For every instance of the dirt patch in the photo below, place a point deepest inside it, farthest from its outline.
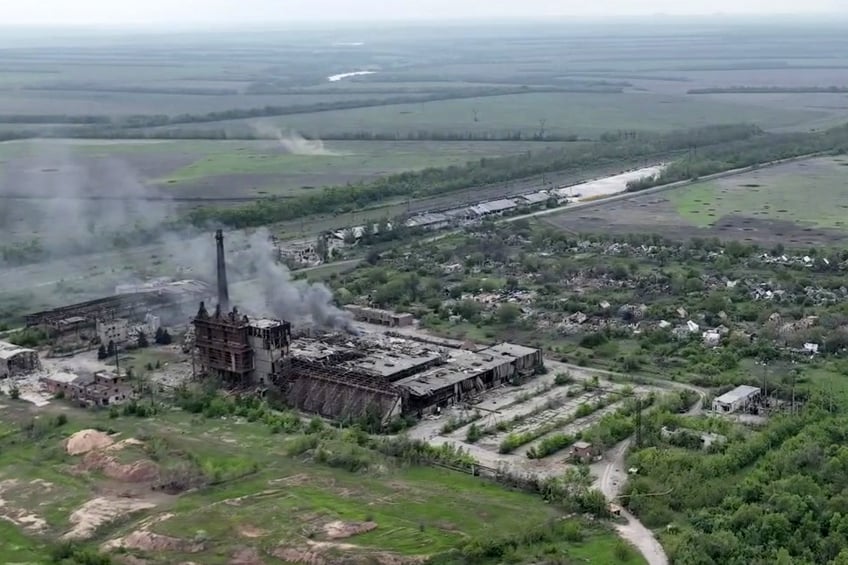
(87, 440)
(301, 555)
(136, 472)
(101, 511)
(292, 480)
(246, 556)
(627, 217)
(248, 531)
(19, 516)
(144, 540)
(343, 530)
(327, 553)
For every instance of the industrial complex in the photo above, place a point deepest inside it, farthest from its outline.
(378, 369)
(343, 376)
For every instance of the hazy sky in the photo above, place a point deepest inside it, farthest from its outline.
(52, 12)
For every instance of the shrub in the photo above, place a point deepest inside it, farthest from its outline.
(14, 393)
(571, 531)
(302, 444)
(622, 551)
(474, 433)
(29, 337)
(562, 379)
(550, 445)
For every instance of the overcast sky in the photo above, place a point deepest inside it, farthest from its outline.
(187, 12)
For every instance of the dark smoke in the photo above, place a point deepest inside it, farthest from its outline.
(276, 293)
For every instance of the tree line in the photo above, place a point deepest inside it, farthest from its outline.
(485, 171)
(160, 120)
(180, 90)
(770, 90)
(750, 152)
(179, 133)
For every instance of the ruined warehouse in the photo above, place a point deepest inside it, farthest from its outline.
(166, 300)
(16, 360)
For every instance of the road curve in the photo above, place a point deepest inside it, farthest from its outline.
(612, 475)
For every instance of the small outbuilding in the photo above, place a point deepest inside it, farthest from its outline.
(582, 451)
(737, 399)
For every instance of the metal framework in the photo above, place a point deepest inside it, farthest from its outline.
(339, 393)
(222, 344)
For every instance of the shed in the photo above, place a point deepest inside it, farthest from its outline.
(582, 451)
(739, 398)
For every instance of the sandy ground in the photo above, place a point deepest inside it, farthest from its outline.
(87, 440)
(99, 511)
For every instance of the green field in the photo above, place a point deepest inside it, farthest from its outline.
(564, 113)
(343, 160)
(285, 503)
(809, 193)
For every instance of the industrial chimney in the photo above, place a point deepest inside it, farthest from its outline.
(223, 290)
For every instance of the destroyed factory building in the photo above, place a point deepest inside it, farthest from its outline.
(346, 377)
(16, 360)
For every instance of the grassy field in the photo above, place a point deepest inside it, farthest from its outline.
(797, 204)
(564, 113)
(332, 162)
(286, 503)
(810, 193)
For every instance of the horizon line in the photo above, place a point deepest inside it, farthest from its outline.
(313, 23)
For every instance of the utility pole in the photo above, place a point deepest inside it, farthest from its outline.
(639, 422)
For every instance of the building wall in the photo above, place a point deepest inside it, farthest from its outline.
(380, 317)
(117, 330)
(267, 362)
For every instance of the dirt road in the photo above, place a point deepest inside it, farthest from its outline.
(611, 476)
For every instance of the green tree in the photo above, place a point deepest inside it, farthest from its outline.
(508, 313)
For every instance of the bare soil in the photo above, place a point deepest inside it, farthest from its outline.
(246, 556)
(343, 530)
(20, 516)
(137, 472)
(100, 511)
(145, 540)
(87, 440)
(653, 213)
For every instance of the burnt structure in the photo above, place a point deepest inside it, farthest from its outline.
(340, 393)
(166, 301)
(221, 341)
(346, 378)
(233, 347)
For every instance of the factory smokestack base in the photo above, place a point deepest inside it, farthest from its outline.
(223, 288)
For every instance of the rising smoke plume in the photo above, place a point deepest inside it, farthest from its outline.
(72, 204)
(78, 205)
(276, 293)
(291, 141)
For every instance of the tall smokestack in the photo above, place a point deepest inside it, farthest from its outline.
(223, 290)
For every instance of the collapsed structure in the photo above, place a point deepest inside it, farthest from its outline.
(165, 300)
(347, 377)
(233, 347)
(15, 360)
(102, 388)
